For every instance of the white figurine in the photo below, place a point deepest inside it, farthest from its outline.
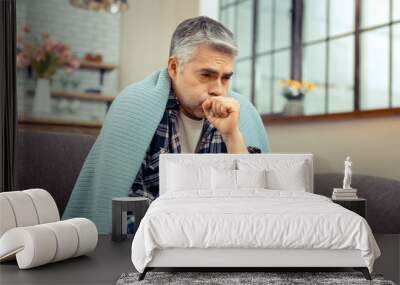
(347, 174)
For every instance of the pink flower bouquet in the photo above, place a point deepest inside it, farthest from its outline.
(45, 54)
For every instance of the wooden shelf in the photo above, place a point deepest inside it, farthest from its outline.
(59, 124)
(80, 95)
(94, 66)
(101, 67)
(97, 66)
(83, 96)
(89, 65)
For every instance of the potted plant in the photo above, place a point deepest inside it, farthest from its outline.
(294, 91)
(45, 56)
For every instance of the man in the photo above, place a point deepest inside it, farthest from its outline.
(199, 116)
(187, 107)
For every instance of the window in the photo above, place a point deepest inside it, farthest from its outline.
(244, 14)
(314, 25)
(281, 70)
(328, 55)
(272, 56)
(374, 69)
(314, 70)
(375, 13)
(396, 10)
(341, 75)
(350, 49)
(264, 87)
(243, 78)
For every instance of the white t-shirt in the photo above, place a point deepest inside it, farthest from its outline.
(189, 132)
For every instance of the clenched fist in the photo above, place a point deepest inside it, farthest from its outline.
(223, 113)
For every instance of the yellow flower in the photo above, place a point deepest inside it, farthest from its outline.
(296, 85)
(308, 85)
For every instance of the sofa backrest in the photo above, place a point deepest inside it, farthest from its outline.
(382, 195)
(51, 161)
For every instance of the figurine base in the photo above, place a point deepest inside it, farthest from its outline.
(345, 189)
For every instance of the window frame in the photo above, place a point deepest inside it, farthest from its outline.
(296, 59)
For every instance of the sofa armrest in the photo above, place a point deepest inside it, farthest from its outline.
(382, 194)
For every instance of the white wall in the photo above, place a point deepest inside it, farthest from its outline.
(373, 144)
(209, 8)
(146, 34)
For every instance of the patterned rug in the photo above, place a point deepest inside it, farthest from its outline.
(243, 278)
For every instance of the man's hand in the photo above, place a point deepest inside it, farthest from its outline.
(223, 113)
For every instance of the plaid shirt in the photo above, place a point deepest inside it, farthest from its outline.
(166, 140)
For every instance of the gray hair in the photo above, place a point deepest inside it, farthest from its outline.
(202, 30)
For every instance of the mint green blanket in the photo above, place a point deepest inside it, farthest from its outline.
(115, 158)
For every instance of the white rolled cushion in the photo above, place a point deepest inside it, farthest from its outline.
(33, 246)
(67, 239)
(40, 244)
(23, 208)
(223, 179)
(45, 205)
(251, 178)
(7, 218)
(87, 235)
(183, 177)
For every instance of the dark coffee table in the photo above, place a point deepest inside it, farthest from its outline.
(104, 265)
